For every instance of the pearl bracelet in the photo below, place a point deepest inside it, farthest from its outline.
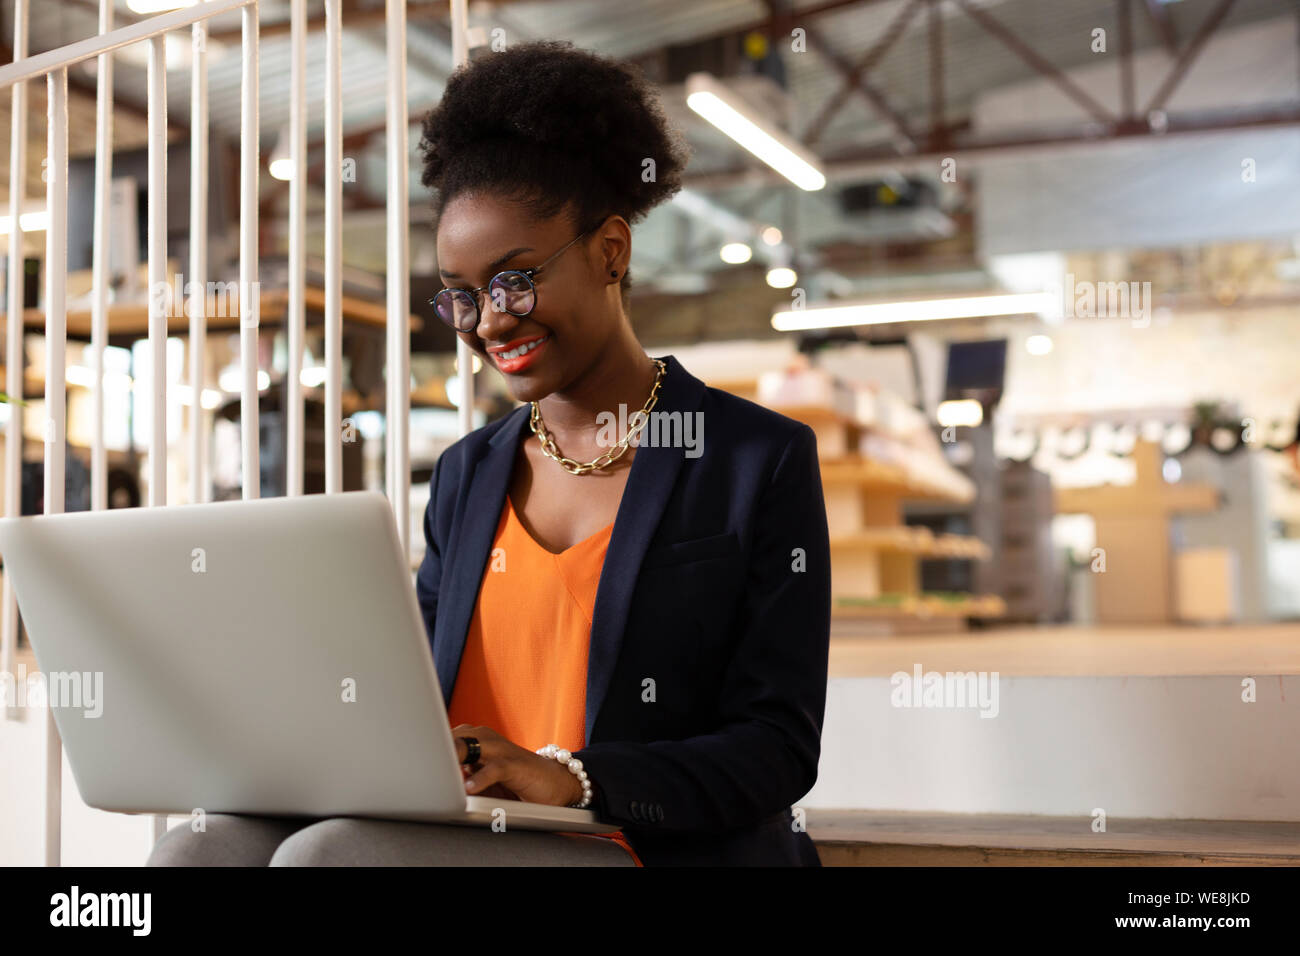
(575, 768)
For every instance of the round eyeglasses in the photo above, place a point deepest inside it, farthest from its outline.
(512, 290)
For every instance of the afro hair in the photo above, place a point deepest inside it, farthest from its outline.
(553, 128)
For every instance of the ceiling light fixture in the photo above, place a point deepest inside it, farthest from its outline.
(280, 165)
(735, 253)
(1038, 344)
(960, 412)
(919, 310)
(781, 277)
(35, 221)
(715, 102)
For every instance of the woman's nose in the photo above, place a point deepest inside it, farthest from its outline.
(494, 325)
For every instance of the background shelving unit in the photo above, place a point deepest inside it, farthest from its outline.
(875, 556)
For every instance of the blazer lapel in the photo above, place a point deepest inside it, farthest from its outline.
(468, 551)
(649, 485)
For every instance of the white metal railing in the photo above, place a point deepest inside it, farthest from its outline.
(14, 329)
(54, 65)
(398, 398)
(56, 339)
(99, 263)
(297, 232)
(250, 303)
(333, 242)
(464, 357)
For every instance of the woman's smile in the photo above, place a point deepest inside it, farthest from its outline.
(515, 356)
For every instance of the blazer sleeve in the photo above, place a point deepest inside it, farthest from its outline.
(429, 577)
(763, 756)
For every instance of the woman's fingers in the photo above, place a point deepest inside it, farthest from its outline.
(462, 749)
(489, 773)
(501, 791)
(487, 741)
(497, 761)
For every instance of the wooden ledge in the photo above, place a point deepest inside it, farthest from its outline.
(895, 838)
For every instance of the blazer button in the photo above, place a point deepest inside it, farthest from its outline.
(658, 812)
(635, 809)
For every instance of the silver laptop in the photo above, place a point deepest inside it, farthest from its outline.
(260, 657)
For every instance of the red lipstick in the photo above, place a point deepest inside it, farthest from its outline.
(519, 360)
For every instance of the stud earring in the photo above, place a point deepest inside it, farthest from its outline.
(614, 273)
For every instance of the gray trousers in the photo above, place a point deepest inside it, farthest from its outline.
(234, 840)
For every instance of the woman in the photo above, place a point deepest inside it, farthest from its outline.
(647, 593)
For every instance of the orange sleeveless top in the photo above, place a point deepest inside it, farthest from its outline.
(524, 668)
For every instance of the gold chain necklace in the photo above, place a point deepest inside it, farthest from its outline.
(615, 453)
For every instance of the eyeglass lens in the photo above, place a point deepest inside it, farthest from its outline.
(512, 292)
(509, 291)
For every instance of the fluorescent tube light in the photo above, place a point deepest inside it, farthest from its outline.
(280, 166)
(734, 117)
(919, 310)
(35, 221)
(961, 412)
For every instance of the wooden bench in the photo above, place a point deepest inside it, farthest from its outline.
(890, 838)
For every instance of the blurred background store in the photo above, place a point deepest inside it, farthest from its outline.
(1031, 270)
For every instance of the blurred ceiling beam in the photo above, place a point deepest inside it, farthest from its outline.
(1164, 25)
(1188, 56)
(935, 31)
(1127, 99)
(1031, 56)
(782, 20)
(868, 62)
(859, 83)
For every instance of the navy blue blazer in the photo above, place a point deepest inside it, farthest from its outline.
(706, 680)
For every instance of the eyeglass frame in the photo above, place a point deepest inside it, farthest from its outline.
(528, 274)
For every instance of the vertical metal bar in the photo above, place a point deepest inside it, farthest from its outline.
(159, 300)
(198, 260)
(1125, 16)
(938, 133)
(158, 281)
(14, 359)
(399, 289)
(249, 292)
(464, 357)
(99, 264)
(297, 232)
(333, 248)
(56, 340)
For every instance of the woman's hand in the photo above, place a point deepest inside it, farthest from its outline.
(505, 769)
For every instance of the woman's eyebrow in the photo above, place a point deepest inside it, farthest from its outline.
(495, 264)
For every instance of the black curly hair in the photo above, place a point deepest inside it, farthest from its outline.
(550, 127)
